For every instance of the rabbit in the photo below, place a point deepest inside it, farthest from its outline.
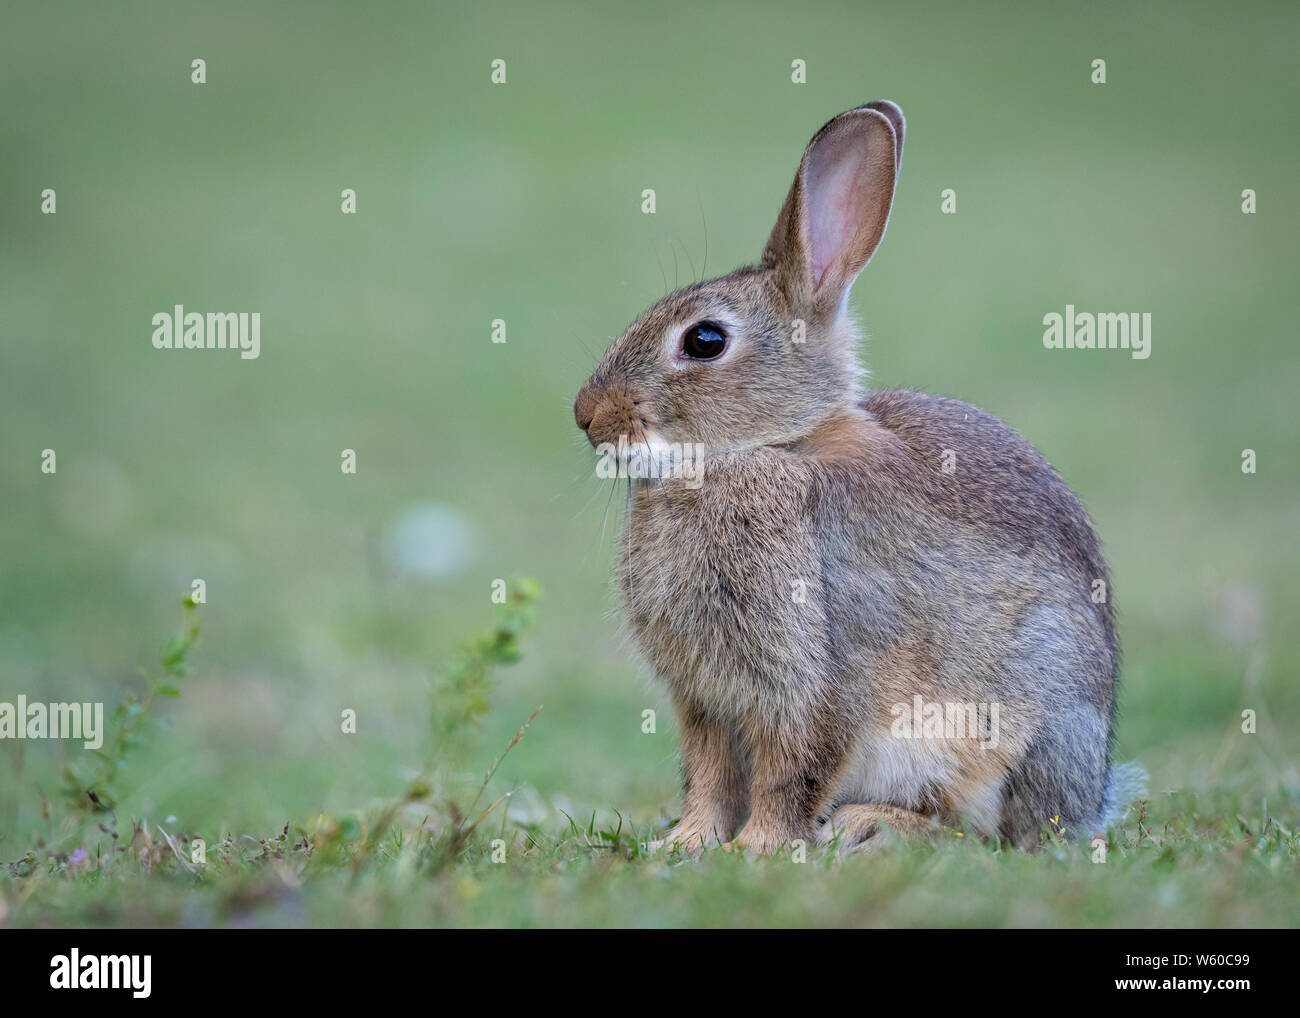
(850, 560)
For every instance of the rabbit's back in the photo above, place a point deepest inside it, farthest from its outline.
(984, 475)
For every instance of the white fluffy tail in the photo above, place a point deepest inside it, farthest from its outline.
(1125, 784)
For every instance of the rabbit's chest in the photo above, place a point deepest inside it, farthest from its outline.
(716, 591)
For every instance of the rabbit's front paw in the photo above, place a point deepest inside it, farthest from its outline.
(688, 837)
(763, 839)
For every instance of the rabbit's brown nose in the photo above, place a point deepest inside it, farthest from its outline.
(604, 412)
(584, 407)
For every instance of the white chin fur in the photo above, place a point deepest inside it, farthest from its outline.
(654, 459)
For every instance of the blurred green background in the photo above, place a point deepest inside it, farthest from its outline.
(522, 202)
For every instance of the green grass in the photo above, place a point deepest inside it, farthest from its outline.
(1200, 866)
(522, 202)
(431, 855)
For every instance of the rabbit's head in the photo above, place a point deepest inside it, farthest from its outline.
(762, 355)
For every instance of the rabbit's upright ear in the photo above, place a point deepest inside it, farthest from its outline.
(835, 214)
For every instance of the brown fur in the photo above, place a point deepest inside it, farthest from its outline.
(853, 825)
(968, 586)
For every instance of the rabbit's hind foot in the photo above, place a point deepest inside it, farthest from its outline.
(856, 827)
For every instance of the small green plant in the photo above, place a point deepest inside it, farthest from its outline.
(96, 788)
(460, 699)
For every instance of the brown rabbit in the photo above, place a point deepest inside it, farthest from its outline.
(868, 607)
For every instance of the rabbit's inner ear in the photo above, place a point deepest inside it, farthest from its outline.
(839, 178)
(849, 173)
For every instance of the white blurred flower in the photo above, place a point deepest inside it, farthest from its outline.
(430, 541)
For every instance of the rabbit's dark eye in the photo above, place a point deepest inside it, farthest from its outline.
(704, 341)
